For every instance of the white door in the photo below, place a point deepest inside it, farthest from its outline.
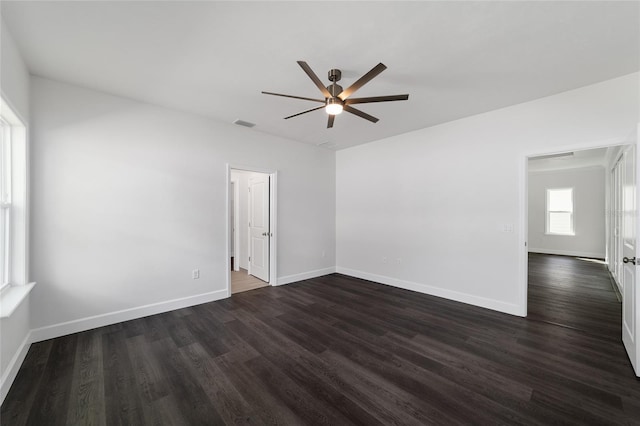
(259, 226)
(630, 294)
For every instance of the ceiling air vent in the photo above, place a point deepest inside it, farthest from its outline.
(244, 123)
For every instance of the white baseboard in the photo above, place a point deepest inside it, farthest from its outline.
(83, 324)
(14, 365)
(305, 275)
(588, 254)
(483, 302)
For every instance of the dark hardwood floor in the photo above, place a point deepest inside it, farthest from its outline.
(337, 350)
(574, 292)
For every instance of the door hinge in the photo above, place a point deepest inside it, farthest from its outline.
(249, 258)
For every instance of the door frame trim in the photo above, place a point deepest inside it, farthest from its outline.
(523, 207)
(236, 224)
(273, 210)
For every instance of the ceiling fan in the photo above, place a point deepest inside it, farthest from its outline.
(336, 99)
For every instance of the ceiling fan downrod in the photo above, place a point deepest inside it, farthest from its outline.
(334, 76)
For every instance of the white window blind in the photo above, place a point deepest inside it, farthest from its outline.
(560, 211)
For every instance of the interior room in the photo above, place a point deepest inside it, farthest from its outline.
(408, 183)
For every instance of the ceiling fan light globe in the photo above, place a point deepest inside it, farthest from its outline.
(333, 108)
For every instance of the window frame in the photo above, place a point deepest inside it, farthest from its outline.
(6, 206)
(15, 178)
(548, 213)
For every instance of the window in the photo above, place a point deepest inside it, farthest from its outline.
(560, 211)
(13, 202)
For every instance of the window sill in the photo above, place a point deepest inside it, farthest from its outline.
(12, 297)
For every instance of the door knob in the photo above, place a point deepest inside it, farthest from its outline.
(627, 260)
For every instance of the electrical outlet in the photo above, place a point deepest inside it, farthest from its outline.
(399, 261)
(384, 260)
(323, 253)
(195, 274)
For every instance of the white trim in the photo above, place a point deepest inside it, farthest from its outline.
(273, 227)
(483, 302)
(6, 176)
(14, 366)
(588, 254)
(563, 169)
(12, 297)
(250, 168)
(248, 227)
(19, 232)
(227, 251)
(287, 279)
(523, 241)
(83, 324)
(236, 224)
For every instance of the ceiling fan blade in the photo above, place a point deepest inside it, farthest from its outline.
(295, 97)
(303, 112)
(330, 122)
(360, 113)
(376, 99)
(314, 78)
(362, 81)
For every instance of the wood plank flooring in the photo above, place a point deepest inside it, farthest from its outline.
(337, 350)
(574, 292)
(242, 281)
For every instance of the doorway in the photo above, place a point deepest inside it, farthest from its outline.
(580, 206)
(251, 229)
(567, 237)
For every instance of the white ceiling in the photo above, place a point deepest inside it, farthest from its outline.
(455, 59)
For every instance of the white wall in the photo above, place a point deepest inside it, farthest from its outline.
(439, 199)
(14, 81)
(128, 198)
(14, 78)
(589, 212)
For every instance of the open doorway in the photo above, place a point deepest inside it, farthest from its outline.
(251, 225)
(575, 230)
